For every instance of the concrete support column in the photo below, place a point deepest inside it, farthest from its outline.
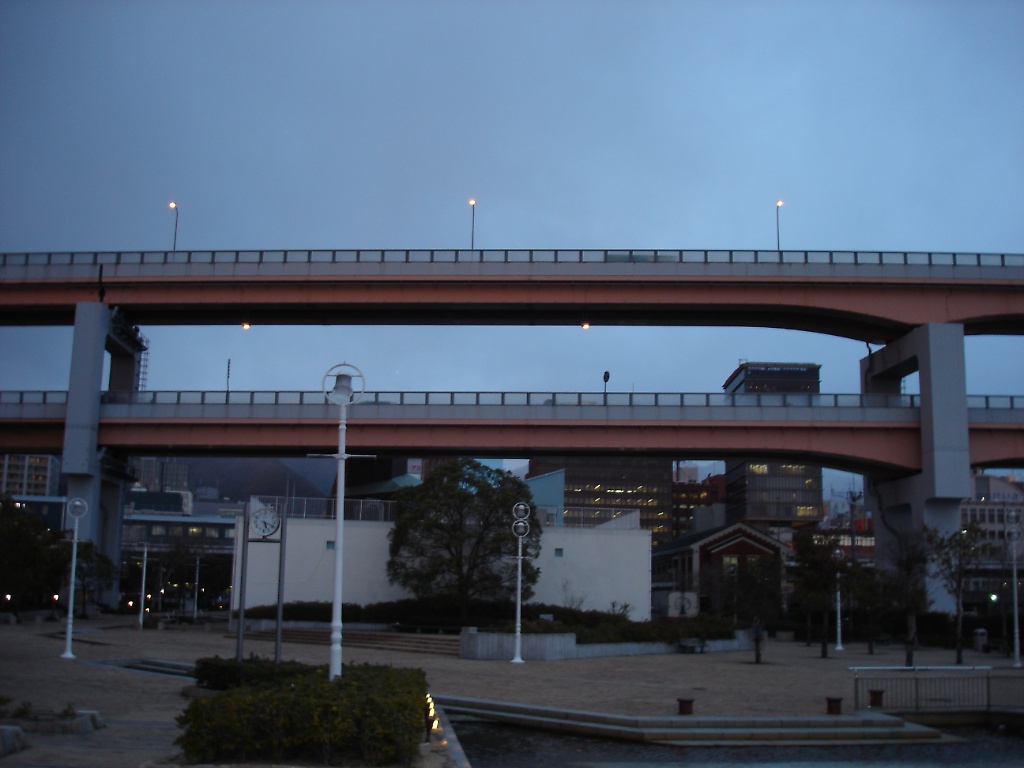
(931, 498)
(81, 458)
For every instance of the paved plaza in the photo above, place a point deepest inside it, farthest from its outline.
(139, 708)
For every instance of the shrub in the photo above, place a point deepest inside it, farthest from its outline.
(223, 674)
(370, 713)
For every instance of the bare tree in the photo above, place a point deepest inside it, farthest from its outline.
(908, 565)
(954, 557)
(816, 577)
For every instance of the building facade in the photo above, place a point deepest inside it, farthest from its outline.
(29, 475)
(996, 506)
(624, 483)
(770, 493)
(588, 568)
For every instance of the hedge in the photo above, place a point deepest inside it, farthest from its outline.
(372, 713)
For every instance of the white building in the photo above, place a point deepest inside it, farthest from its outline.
(589, 568)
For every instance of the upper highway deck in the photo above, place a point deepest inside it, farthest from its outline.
(873, 296)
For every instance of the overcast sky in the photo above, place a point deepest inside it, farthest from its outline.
(883, 125)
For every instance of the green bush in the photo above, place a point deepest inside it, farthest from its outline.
(223, 674)
(371, 713)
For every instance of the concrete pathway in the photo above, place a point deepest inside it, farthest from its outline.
(139, 708)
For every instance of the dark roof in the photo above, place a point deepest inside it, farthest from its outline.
(692, 539)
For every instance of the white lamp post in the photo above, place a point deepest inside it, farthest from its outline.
(838, 557)
(344, 395)
(142, 587)
(76, 508)
(1013, 535)
(472, 224)
(521, 511)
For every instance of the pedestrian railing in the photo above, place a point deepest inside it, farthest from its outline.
(924, 689)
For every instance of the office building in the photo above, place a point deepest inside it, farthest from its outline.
(769, 493)
(625, 483)
(29, 475)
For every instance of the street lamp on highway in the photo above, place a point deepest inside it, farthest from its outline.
(778, 204)
(174, 207)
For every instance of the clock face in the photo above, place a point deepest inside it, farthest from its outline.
(265, 521)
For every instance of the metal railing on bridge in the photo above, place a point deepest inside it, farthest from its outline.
(451, 398)
(922, 689)
(630, 399)
(514, 256)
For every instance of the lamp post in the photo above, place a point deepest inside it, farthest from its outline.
(521, 511)
(76, 508)
(472, 225)
(343, 394)
(778, 204)
(1013, 536)
(174, 206)
(142, 588)
(195, 597)
(837, 555)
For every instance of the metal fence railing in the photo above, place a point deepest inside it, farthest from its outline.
(511, 256)
(923, 689)
(313, 508)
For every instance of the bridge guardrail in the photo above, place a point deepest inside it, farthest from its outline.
(514, 256)
(453, 398)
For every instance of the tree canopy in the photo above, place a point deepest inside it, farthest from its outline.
(32, 562)
(453, 535)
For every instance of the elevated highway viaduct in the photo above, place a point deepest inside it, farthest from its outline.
(915, 307)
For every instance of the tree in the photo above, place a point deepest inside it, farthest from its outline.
(453, 535)
(32, 564)
(871, 594)
(95, 571)
(953, 557)
(816, 577)
(905, 580)
(758, 595)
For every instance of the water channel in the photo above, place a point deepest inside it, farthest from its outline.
(496, 746)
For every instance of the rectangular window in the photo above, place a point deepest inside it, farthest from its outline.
(330, 545)
(559, 552)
